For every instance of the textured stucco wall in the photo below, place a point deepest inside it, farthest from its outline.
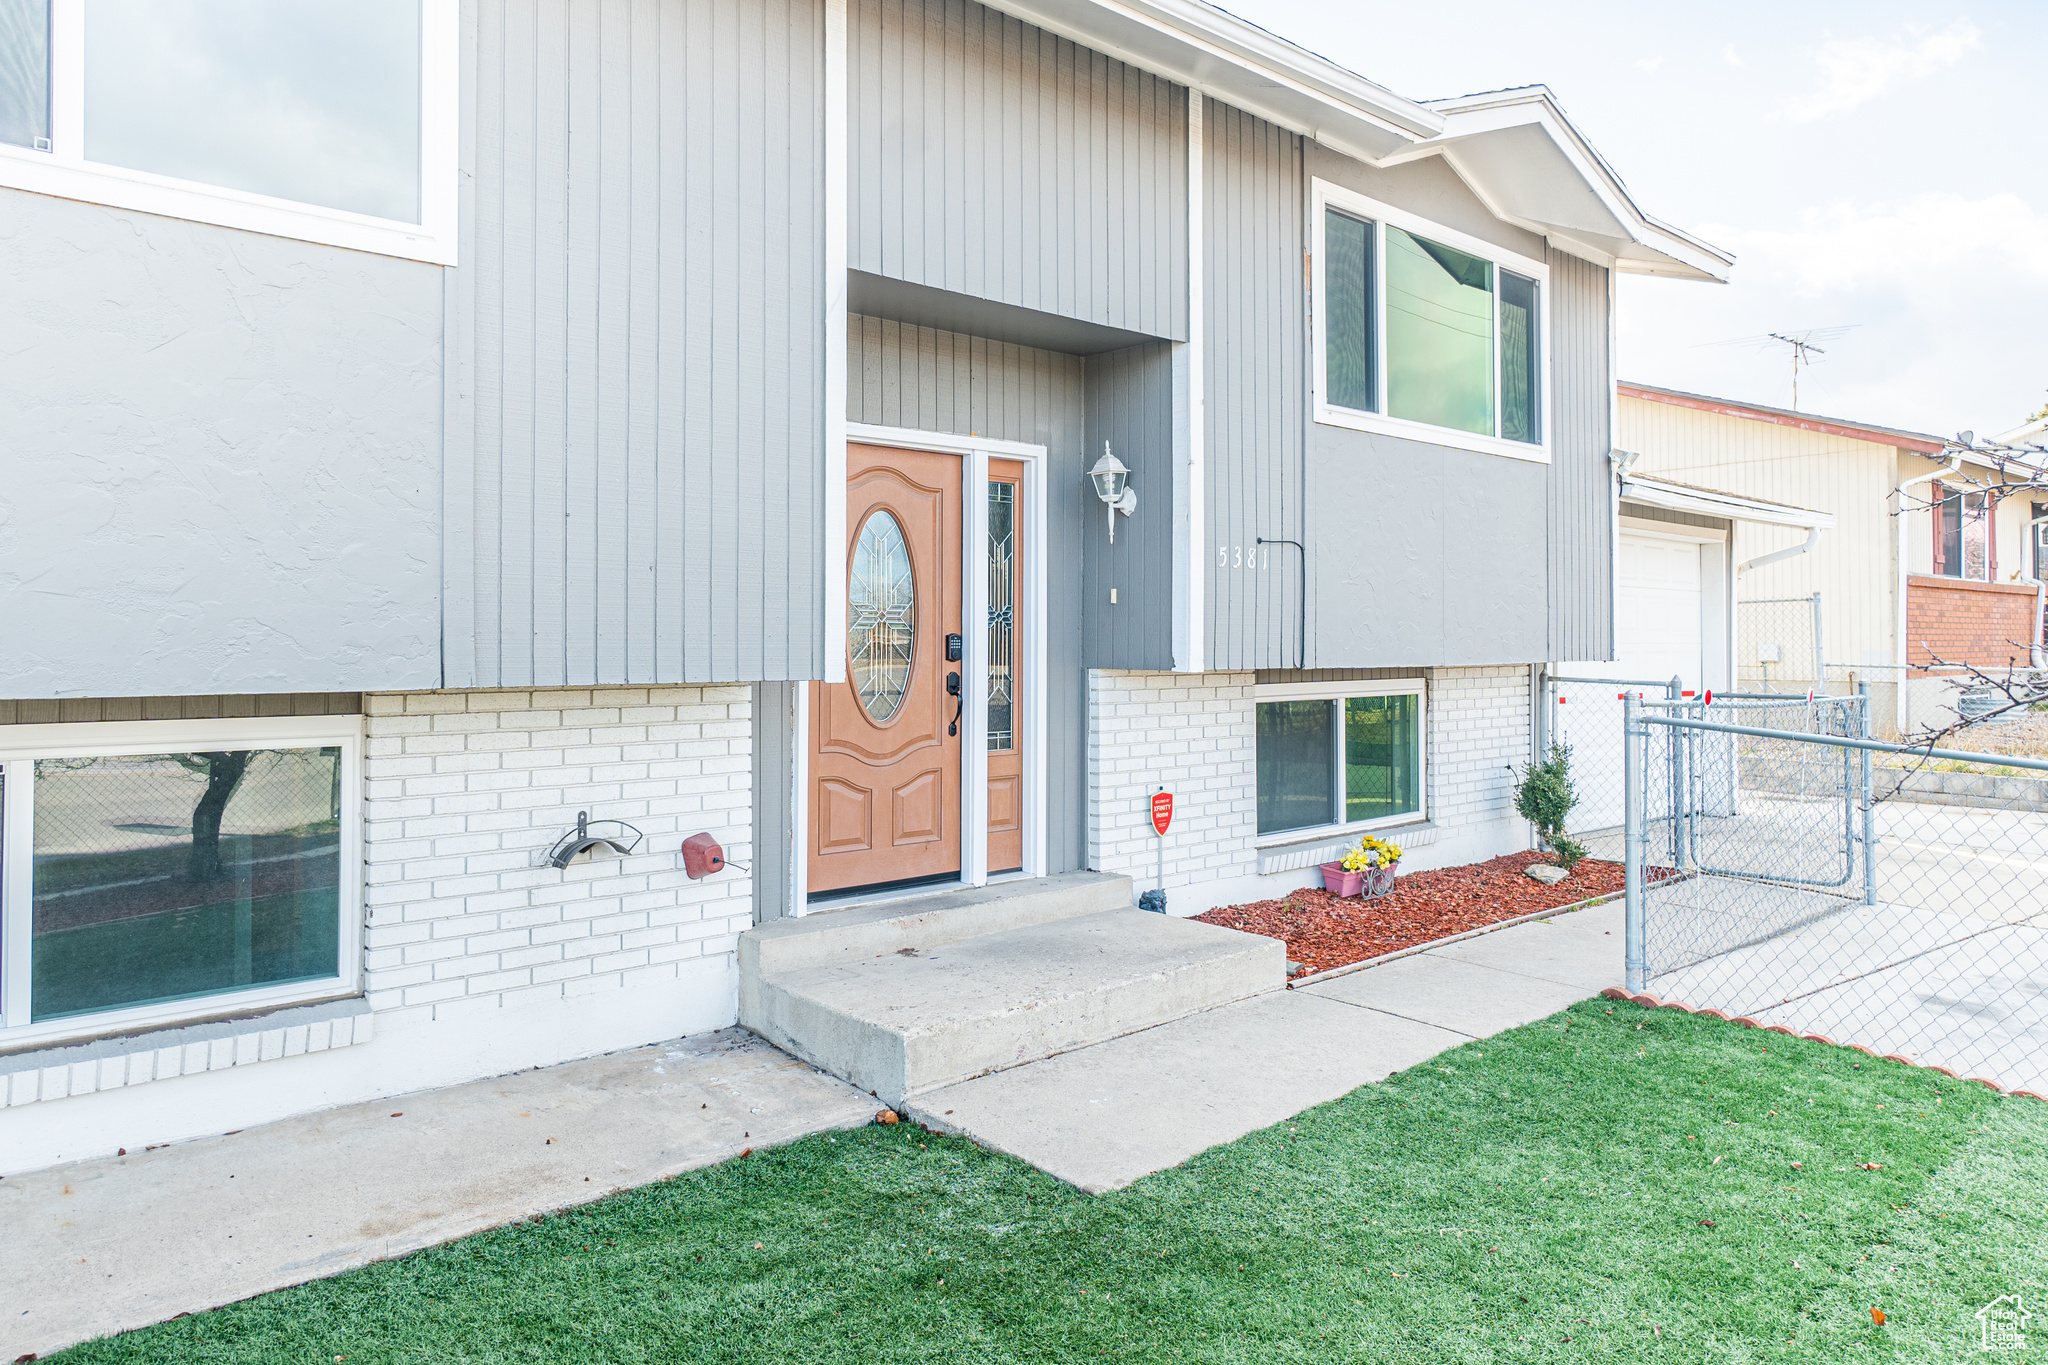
(221, 455)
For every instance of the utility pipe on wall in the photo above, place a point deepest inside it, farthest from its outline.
(1955, 462)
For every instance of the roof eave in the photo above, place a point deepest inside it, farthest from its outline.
(1712, 502)
(1638, 243)
(1220, 54)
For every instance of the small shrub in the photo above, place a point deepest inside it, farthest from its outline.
(1570, 852)
(1544, 797)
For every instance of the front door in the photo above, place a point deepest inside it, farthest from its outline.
(885, 744)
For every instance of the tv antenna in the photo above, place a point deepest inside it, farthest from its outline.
(1803, 345)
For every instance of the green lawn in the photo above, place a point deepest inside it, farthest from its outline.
(1611, 1184)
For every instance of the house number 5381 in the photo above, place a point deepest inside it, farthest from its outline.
(1243, 556)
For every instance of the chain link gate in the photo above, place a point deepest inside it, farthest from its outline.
(1784, 866)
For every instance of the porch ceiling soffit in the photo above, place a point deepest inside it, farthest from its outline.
(920, 305)
(1710, 502)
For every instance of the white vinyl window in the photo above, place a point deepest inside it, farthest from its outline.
(1340, 756)
(329, 121)
(1427, 333)
(158, 871)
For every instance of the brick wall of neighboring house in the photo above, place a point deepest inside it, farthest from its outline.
(467, 790)
(1196, 734)
(1986, 624)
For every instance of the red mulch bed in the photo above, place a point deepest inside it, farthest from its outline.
(1324, 931)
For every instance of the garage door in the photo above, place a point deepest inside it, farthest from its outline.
(1657, 617)
(1657, 629)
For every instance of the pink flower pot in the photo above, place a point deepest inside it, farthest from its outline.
(1339, 882)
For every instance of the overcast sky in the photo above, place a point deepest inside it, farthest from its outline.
(1875, 165)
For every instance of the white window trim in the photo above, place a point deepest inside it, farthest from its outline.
(1328, 196)
(1338, 691)
(64, 172)
(21, 745)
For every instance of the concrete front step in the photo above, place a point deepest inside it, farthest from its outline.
(908, 1020)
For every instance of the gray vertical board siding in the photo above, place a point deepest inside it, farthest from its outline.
(774, 714)
(1580, 493)
(1253, 389)
(223, 459)
(991, 158)
(1417, 554)
(904, 376)
(1130, 407)
(648, 261)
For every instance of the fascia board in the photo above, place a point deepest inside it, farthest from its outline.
(1241, 64)
(1703, 503)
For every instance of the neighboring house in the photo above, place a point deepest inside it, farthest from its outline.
(684, 415)
(1810, 505)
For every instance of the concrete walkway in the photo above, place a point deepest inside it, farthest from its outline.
(103, 1246)
(1103, 1116)
(97, 1247)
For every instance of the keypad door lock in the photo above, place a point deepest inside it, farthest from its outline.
(954, 649)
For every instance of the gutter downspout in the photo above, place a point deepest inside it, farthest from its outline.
(1618, 462)
(1955, 462)
(1812, 539)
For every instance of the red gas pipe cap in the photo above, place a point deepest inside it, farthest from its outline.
(702, 856)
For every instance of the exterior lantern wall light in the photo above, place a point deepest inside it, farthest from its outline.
(1113, 485)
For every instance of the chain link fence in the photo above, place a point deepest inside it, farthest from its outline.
(1584, 715)
(1783, 865)
(1778, 645)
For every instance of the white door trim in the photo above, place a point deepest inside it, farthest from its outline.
(975, 453)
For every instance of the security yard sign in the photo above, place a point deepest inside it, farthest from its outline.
(1162, 812)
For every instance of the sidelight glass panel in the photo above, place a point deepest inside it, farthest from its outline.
(1382, 757)
(1521, 382)
(881, 616)
(1439, 334)
(316, 101)
(1296, 758)
(1002, 616)
(167, 876)
(25, 73)
(1348, 312)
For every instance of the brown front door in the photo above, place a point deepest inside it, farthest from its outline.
(885, 771)
(1006, 668)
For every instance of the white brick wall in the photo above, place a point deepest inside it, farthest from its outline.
(1191, 733)
(1479, 732)
(467, 790)
(1196, 735)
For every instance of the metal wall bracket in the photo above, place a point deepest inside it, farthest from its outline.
(581, 840)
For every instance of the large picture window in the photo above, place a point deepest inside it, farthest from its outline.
(150, 872)
(1424, 332)
(328, 120)
(1339, 756)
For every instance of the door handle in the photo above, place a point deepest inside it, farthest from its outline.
(953, 690)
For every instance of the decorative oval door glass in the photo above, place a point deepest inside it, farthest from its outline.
(881, 616)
